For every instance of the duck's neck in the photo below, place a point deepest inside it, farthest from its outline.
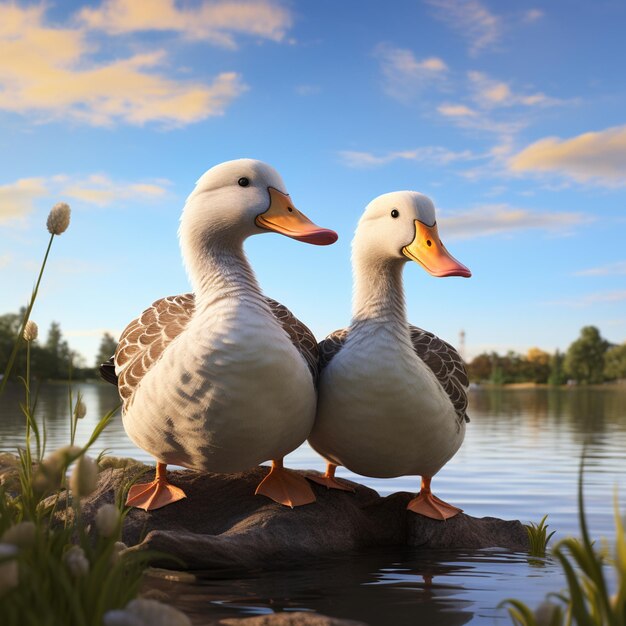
(222, 276)
(378, 297)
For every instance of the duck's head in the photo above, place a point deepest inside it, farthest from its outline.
(401, 226)
(240, 198)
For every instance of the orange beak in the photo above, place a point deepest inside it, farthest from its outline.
(282, 217)
(427, 250)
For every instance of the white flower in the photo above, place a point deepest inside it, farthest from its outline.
(107, 520)
(21, 535)
(58, 218)
(80, 410)
(84, 478)
(76, 562)
(9, 571)
(153, 613)
(30, 331)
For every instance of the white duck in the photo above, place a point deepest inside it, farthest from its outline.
(214, 382)
(391, 397)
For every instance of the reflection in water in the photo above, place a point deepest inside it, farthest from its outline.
(519, 461)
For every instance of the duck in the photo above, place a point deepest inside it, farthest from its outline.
(392, 398)
(223, 378)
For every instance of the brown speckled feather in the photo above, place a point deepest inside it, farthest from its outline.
(441, 358)
(145, 338)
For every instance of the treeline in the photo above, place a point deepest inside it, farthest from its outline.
(590, 359)
(51, 357)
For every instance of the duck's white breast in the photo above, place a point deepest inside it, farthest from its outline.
(224, 396)
(381, 412)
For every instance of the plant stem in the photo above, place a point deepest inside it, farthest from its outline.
(29, 308)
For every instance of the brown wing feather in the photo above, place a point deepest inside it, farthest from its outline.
(331, 345)
(144, 339)
(301, 336)
(441, 358)
(446, 364)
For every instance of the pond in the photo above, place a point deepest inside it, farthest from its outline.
(519, 461)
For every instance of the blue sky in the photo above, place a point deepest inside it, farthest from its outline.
(510, 116)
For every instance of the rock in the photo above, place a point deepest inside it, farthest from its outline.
(295, 618)
(222, 524)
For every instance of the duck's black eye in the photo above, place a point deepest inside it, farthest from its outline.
(243, 182)
(395, 213)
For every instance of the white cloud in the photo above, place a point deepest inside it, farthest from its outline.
(601, 297)
(594, 157)
(533, 15)
(47, 71)
(456, 110)
(216, 22)
(612, 269)
(432, 154)
(404, 75)
(101, 190)
(498, 219)
(472, 20)
(490, 93)
(17, 199)
(5, 260)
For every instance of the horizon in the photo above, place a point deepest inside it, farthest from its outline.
(510, 119)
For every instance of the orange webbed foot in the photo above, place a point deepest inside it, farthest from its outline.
(329, 481)
(285, 487)
(429, 505)
(155, 494)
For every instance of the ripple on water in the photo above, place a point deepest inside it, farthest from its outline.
(519, 461)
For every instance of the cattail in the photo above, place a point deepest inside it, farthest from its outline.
(9, 571)
(76, 562)
(80, 410)
(118, 548)
(58, 218)
(107, 520)
(21, 535)
(84, 478)
(31, 331)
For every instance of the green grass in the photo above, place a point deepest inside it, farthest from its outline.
(538, 537)
(54, 569)
(587, 601)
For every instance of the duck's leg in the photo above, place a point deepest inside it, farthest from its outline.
(285, 487)
(154, 495)
(329, 481)
(428, 504)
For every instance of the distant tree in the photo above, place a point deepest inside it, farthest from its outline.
(615, 362)
(557, 373)
(537, 365)
(584, 360)
(56, 360)
(480, 367)
(108, 345)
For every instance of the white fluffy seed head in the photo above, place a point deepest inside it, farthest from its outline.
(76, 562)
(107, 520)
(80, 410)
(84, 478)
(58, 218)
(31, 331)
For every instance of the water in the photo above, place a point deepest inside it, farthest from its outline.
(519, 461)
